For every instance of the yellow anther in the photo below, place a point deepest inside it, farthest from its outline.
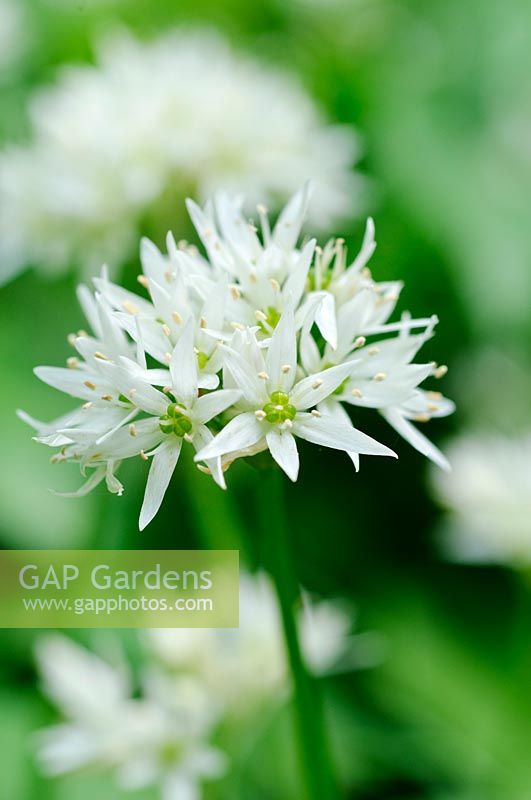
(130, 307)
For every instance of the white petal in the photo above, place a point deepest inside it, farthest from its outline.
(117, 296)
(154, 264)
(50, 427)
(368, 246)
(128, 379)
(309, 352)
(146, 332)
(282, 352)
(65, 748)
(157, 376)
(113, 484)
(245, 377)
(178, 786)
(241, 432)
(72, 381)
(213, 310)
(202, 437)
(207, 381)
(333, 408)
(290, 221)
(325, 319)
(210, 405)
(422, 403)
(304, 395)
(122, 445)
(294, 286)
(217, 251)
(283, 448)
(88, 304)
(415, 438)
(329, 433)
(95, 479)
(160, 472)
(235, 229)
(113, 338)
(183, 366)
(123, 421)
(83, 685)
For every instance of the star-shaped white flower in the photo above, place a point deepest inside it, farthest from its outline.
(275, 408)
(159, 738)
(384, 378)
(178, 414)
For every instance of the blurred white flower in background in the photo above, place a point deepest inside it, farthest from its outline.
(192, 683)
(245, 666)
(488, 497)
(157, 739)
(150, 123)
(12, 34)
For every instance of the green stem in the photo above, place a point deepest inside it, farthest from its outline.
(314, 749)
(216, 517)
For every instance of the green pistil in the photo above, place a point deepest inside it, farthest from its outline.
(202, 359)
(271, 320)
(342, 386)
(279, 409)
(326, 280)
(171, 753)
(175, 421)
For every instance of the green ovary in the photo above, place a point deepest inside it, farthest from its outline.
(326, 280)
(175, 421)
(171, 753)
(202, 359)
(279, 409)
(272, 319)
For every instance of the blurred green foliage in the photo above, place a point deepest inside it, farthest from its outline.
(441, 94)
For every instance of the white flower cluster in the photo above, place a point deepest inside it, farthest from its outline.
(184, 114)
(259, 344)
(488, 497)
(244, 667)
(194, 682)
(160, 738)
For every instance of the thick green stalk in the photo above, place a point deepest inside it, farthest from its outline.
(314, 749)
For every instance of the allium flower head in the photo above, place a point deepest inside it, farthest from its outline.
(181, 114)
(159, 738)
(261, 343)
(193, 684)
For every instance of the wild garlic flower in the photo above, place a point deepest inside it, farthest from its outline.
(232, 382)
(194, 683)
(488, 498)
(159, 738)
(182, 114)
(246, 667)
